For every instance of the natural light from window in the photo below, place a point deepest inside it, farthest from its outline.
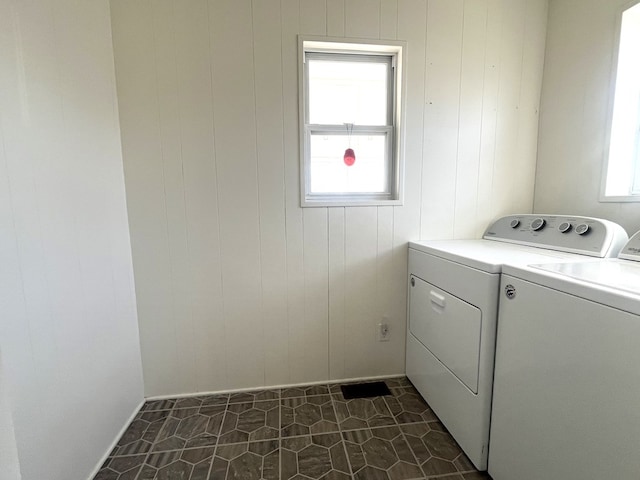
(329, 174)
(348, 94)
(350, 110)
(623, 168)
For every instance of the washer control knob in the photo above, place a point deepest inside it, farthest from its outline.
(514, 223)
(582, 229)
(538, 224)
(565, 227)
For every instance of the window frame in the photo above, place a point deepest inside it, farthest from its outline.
(635, 183)
(633, 172)
(342, 49)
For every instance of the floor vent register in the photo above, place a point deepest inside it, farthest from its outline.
(365, 390)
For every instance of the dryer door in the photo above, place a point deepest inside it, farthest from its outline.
(449, 327)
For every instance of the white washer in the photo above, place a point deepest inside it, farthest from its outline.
(453, 308)
(566, 400)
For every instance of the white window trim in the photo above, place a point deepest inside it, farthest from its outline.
(632, 197)
(396, 153)
(635, 183)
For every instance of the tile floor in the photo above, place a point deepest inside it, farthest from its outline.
(293, 433)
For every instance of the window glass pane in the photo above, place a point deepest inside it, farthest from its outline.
(329, 173)
(635, 188)
(625, 124)
(347, 92)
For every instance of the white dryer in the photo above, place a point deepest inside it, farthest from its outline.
(567, 376)
(453, 308)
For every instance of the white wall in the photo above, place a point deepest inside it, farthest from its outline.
(9, 463)
(68, 330)
(238, 286)
(574, 108)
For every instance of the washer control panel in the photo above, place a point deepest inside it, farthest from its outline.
(584, 235)
(631, 251)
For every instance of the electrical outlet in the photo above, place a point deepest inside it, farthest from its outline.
(383, 332)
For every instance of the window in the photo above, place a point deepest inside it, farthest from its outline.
(349, 114)
(622, 182)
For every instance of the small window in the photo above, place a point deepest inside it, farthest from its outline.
(350, 111)
(622, 182)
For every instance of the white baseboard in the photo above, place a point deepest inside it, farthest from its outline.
(96, 469)
(290, 385)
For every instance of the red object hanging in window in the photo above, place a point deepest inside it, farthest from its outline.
(349, 157)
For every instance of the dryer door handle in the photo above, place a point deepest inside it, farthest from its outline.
(437, 299)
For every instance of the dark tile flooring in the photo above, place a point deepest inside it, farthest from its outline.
(294, 433)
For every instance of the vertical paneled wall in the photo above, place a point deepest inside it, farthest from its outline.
(71, 366)
(237, 285)
(576, 95)
(9, 463)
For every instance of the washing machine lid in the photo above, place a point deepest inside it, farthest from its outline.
(616, 274)
(489, 256)
(611, 282)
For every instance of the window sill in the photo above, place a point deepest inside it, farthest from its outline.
(343, 202)
(620, 199)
